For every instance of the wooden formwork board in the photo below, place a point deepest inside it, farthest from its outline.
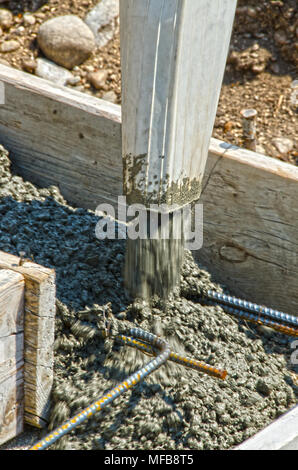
(282, 434)
(59, 136)
(251, 226)
(36, 325)
(12, 289)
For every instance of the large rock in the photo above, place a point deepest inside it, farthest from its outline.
(66, 40)
(102, 21)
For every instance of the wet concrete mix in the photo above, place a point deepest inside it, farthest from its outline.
(174, 408)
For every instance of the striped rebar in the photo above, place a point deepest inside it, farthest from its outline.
(279, 317)
(258, 319)
(72, 423)
(182, 360)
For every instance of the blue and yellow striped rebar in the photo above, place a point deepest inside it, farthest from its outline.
(258, 319)
(244, 305)
(72, 423)
(152, 345)
(182, 360)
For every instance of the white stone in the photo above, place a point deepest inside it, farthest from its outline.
(73, 81)
(52, 72)
(29, 19)
(6, 18)
(101, 20)
(283, 144)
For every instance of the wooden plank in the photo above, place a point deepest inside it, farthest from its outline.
(259, 221)
(172, 72)
(61, 136)
(11, 355)
(11, 406)
(12, 287)
(251, 226)
(282, 434)
(11, 303)
(38, 336)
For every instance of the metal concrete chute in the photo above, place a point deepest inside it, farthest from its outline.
(173, 57)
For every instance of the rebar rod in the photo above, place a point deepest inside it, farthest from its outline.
(275, 315)
(258, 319)
(182, 360)
(249, 128)
(109, 397)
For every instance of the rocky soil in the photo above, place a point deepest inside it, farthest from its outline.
(174, 408)
(260, 73)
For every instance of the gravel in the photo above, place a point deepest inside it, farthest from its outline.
(260, 73)
(174, 408)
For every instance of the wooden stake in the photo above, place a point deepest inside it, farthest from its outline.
(12, 288)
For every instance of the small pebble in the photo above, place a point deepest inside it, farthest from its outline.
(98, 79)
(252, 13)
(89, 68)
(275, 68)
(258, 68)
(6, 18)
(73, 81)
(283, 144)
(29, 65)
(110, 96)
(9, 46)
(280, 37)
(29, 20)
(264, 387)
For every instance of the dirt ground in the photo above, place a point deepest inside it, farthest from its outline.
(261, 68)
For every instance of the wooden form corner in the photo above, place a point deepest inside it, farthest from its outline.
(39, 327)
